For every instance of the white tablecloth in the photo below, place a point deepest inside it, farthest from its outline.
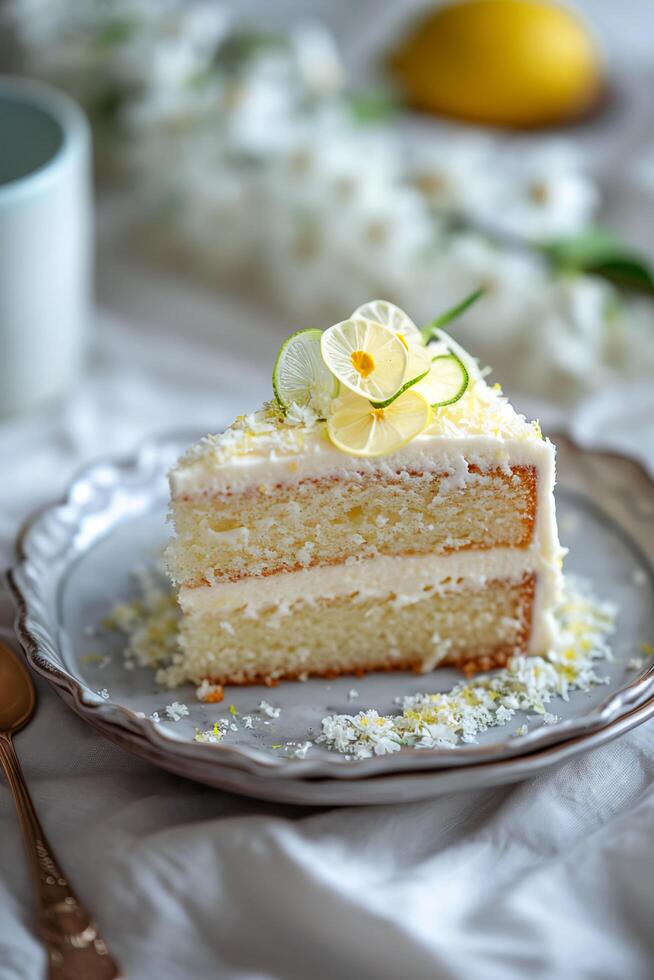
(551, 878)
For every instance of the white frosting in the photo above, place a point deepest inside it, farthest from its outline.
(261, 449)
(427, 453)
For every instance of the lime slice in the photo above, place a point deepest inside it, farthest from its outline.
(360, 429)
(405, 387)
(301, 376)
(366, 357)
(391, 316)
(446, 382)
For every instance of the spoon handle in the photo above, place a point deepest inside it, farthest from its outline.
(76, 951)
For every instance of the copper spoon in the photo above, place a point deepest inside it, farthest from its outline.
(76, 951)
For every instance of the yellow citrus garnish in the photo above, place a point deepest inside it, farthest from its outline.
(357, 428)
(391, 316)
(366, 357)
(363, 363)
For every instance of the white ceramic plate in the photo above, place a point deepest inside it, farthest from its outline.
(76, 560)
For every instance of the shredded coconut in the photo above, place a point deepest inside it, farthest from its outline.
(300, 415)
(489, 700)
(269, 710)
(176, 711)
(213, 734)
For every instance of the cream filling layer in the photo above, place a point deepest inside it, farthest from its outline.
(408, 579)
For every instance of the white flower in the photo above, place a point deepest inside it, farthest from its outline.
(300, 415)
(318, 63)
(436, 735)
(456, 176)
(545, 194)
(387, 743)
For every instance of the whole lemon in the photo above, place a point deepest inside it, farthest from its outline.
(503, 62)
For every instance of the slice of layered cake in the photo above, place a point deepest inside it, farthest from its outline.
(387, 510)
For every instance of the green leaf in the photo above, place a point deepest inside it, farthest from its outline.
(430, 330)
(115, 32)
(369, 108)
(108, 104)
(626, 273)
(240, 47)
(599, 252)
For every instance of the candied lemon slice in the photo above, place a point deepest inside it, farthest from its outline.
(391, 316)
(367, 357)
(301, 376)
(446, 382)
(360, 429)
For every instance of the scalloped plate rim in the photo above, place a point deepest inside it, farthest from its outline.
(107, 713)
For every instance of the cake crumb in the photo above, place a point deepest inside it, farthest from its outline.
(352, 694)
(210, 693)
(269, 710)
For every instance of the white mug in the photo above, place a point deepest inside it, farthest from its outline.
(45, 242)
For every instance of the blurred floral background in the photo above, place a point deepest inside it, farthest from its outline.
(267, 166)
